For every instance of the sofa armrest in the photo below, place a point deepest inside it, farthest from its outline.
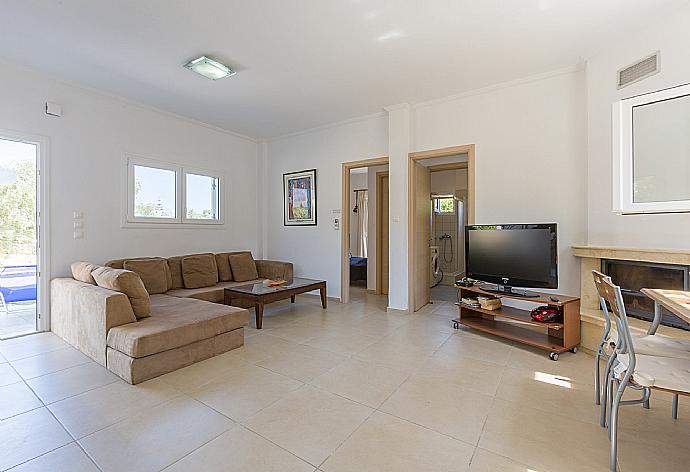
(82, 314)
(274, 270)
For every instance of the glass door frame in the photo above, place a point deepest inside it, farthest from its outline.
(42, 144)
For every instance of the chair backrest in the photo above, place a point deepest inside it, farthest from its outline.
(611, 294)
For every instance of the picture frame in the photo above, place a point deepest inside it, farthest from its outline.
(299, 198)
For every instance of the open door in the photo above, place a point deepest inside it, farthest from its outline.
(421, 213)
(382, 232)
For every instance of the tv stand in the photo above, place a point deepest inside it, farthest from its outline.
(508, 290)
(517, 325)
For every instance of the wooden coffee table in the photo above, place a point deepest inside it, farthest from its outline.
(260, 294)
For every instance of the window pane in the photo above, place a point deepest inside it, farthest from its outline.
(445, 205)
(202, 197)
(154, 192)
(661, 151)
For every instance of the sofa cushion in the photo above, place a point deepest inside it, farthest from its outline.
(213, 294)
(243, 267)
(127, 282)
(224, 271)
(153, 272)
(175, 322)
(199, 271)
(81, 271)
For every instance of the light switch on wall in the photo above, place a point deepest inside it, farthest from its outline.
(336, 224)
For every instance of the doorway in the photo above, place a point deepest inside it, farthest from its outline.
(441, 203)
(362, 254)
(20, 255)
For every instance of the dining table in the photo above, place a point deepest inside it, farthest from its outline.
(675, 301)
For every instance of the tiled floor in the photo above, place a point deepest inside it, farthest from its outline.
(349, 389)
(17, 319)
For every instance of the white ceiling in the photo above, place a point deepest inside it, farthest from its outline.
(305, 63)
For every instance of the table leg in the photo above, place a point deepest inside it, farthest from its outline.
(657, 319)
(324, 302)
(227, 299)
(292, 299)
(259, 309)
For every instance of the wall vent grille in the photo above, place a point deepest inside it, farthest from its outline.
(640, 70)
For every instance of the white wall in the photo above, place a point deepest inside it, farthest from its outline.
(671, 36)
(87, 145)
(358, 180)
(531, 167)
(530, 154)
(315, 250)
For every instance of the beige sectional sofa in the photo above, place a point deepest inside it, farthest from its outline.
(144, 317)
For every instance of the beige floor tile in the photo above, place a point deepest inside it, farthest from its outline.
(303, 363)
(385, 443)
(579, 367)
(243, 391)
(441, 406)
(310, 423)
(471, 374)
(102, 407)
(240, 450)
(260, 347)
(641, 451)
(17, 398)
(68, 458)
(418, 335)
(403, 357)
(73, 381)
(49, 362)
(344, 341)
(485, 461)
(156, 437)
(196, 375)
(8, 375)
(26, 346)
(296, 332)
(551, 443)
(549, 393)
(487, 349)
(2, 358)
(360, 381)
(29, 435)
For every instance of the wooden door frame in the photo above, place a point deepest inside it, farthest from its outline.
(345, 221)
(379, 223)
(413, 157)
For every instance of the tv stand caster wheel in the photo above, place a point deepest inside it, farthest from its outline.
(553, 356)
(456, 325)
(573, 350)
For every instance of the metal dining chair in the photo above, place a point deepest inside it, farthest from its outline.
(628, 369)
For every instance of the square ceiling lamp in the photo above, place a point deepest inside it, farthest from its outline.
(209, 68)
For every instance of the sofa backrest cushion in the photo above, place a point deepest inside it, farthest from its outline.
(224, 271)
(243, 266)
(154, 273)
(81, 271)
(199, 271)
(130, 284)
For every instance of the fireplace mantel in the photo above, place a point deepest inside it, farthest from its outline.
(590, 259)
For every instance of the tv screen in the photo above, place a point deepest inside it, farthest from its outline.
(522, 255)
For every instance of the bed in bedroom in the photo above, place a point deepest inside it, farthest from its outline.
(358, 269)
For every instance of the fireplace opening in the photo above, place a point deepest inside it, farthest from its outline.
(634, 276)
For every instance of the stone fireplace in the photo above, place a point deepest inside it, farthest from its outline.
(632, 276)
(632, 269)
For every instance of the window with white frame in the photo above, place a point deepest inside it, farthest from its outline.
(164, 193)
(652, 152)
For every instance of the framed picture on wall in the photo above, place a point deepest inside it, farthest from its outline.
(299, 194)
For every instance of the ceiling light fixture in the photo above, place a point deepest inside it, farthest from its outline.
(209, 68)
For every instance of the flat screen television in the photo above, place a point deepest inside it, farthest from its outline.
(512, 255)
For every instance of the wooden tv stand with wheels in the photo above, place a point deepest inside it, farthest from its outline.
(553, 337)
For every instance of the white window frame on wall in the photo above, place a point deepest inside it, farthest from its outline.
(623, 172)
(129, 220)
(221, 188)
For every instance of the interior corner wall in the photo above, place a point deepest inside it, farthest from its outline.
(670, 36)
(87, 146)
(358, 181)
(315, 250)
